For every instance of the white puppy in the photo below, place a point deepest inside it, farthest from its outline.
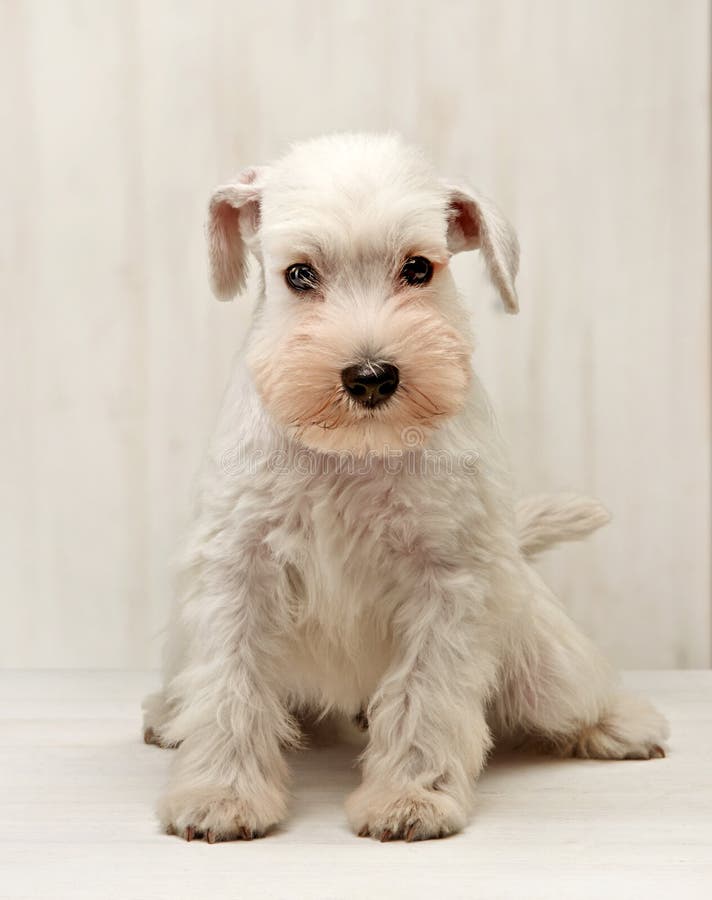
(355, 548)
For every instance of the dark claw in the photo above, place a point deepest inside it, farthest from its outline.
(151, 736)
(170, 830)
(657, 752)
(189, 833)
(361, 720)
(245, 833)
(410, 833)
(386, 835)
(210, 836)
(364, 831)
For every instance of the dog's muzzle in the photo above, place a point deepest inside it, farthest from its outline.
(370, 383)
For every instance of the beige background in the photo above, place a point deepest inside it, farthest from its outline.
(588, 120)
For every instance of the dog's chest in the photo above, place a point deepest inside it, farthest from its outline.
(344, 594)
(343, 551)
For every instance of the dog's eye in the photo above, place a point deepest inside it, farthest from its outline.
(417, 270)
(302, 277)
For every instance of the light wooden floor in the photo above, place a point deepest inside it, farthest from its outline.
(77, 789)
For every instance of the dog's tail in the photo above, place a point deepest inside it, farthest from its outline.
(549, 519)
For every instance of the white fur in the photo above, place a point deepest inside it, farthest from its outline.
(546, 520)
(319, 578)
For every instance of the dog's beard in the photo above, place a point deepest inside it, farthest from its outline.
(299, 378)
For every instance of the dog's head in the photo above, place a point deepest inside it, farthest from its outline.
(360, 342)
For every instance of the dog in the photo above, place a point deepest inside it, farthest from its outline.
(356, 549)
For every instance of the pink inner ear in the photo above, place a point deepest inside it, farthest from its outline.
(464, 231)
(226, 234)
(226, 219)
(226, 255)
(250, 218)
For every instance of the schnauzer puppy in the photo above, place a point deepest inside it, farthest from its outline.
(355, 548)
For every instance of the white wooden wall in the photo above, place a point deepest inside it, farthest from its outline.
(588, 120)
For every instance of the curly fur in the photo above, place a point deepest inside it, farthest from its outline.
(367, 563)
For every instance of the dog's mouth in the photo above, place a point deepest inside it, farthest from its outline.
(403, 419)
(330, 394)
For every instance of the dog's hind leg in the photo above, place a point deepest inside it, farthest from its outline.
(159, 708)
(559, 694)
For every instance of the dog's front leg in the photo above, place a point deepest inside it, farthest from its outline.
(428, 734)
(228, 778)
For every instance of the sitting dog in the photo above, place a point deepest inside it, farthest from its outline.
(355, 548)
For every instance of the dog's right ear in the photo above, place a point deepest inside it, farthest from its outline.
(233, 222)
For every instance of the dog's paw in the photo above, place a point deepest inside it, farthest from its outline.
(157, 713)
(151, 736)
(409, 813)
(631, 729)
(219, 814)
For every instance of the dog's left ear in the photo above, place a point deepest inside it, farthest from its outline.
(233, 222)
(475, 223)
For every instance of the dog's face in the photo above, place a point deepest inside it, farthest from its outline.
(360, 343)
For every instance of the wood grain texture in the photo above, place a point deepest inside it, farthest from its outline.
(78, 788)
(587, 121)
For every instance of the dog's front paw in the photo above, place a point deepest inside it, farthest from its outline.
(220, 813)
(409, 812)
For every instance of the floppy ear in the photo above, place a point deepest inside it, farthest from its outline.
(233, 221)
(475, 223)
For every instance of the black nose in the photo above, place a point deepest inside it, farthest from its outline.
(371, 382)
